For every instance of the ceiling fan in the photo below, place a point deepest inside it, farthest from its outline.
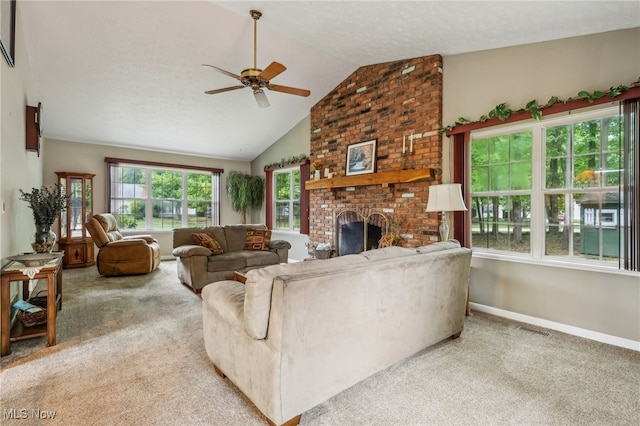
(255, 78)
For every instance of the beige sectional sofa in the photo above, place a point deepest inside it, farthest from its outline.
(294, 335)
(198, 266)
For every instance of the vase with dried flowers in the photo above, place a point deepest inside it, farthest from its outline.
(316, 166)
(46, 204)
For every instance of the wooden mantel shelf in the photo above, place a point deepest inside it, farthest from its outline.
(380, 178)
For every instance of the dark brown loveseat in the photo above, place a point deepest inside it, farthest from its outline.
(199, 266)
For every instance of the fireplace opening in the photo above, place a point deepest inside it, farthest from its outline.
(352, 236)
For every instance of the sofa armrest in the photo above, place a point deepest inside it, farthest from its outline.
(227, 298)
(191, 250)
(148, 238)
(281, 248)
(279, 244)
(120, 244)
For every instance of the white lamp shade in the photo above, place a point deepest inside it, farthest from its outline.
(446, 198)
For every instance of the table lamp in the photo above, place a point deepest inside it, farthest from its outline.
(445, 198)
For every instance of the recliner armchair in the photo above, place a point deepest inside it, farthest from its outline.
(122, 255)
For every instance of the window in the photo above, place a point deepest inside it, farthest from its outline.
(287, 190)
(154, 197)
(551, 189)
(287, 205)
(501, 187)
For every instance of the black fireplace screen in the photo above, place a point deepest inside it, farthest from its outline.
(351, 235)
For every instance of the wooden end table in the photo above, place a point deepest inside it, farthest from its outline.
(240, 277)
(13, 271)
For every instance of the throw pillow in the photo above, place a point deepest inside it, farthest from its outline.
(257, 239)
(206, 240)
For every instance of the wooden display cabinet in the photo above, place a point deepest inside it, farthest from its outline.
(73, 237)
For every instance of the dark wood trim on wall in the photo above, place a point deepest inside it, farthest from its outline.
(305, 170)
(159, 164)
(268, 205)
(462, 220)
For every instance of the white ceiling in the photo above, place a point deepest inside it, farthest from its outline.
(128, 73)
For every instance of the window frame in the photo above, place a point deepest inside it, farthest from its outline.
(539, 190)
(291, 200)
(305, 168)
(149, 199)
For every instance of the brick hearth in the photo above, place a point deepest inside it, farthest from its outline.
(384, 102)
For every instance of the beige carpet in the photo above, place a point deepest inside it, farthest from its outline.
(130, 351)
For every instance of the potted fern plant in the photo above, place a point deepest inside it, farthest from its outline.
(46, 204)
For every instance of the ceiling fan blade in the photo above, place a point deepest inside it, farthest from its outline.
(261, 98)
(272, 70)
(230, 74)
(289, 90)
(226, 89)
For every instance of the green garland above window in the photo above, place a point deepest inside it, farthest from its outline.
(285, 162)
(503, 112)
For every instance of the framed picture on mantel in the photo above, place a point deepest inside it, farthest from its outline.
(361, 158)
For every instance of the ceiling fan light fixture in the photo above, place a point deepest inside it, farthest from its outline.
(261, 98)
(255, 78)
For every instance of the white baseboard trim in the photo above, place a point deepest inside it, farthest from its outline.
(564, 328)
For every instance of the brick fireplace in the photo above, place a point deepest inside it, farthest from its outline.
(393, 102)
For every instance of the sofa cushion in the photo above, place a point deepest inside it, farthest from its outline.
(439, 246)
(261, 258)
(206, 240)
(235, 236)
(230, 261)
(217, 232)
(109, 223)
(257, 239)
(388, 253)
(183, 236)
(257, 302)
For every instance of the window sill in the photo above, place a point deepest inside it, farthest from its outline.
(551, 262)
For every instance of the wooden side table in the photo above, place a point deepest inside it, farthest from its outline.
(13, 271)
(240, 277)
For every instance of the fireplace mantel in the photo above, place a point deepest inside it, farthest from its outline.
(380, 178)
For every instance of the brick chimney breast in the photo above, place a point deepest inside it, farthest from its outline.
(385, 102)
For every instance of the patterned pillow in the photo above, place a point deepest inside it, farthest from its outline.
(257, 239)
(206, 240)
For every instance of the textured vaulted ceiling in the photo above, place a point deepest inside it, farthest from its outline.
(128, 73)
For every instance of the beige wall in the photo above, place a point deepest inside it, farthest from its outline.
(474, 83)
(295, 142)
(89, 158)
(19, 169)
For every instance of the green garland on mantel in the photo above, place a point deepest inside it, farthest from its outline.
(285, 162)
(503, 112)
